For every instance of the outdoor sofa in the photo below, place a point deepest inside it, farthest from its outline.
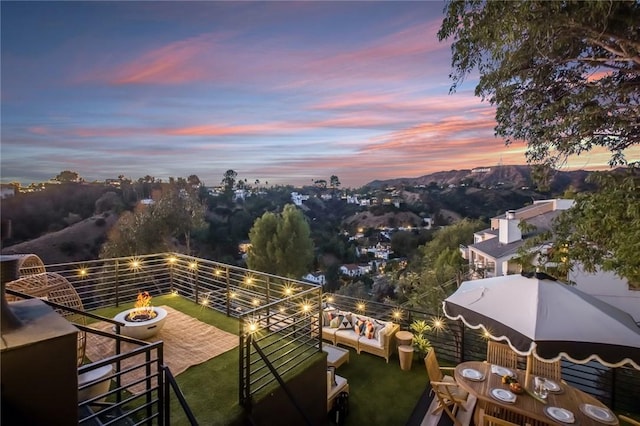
(360, 332)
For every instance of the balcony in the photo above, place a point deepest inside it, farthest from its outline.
(273, 370)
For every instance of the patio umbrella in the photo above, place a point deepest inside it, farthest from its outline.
(538, 316)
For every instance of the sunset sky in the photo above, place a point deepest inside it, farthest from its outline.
(283, 92)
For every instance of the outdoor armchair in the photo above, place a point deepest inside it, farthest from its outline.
(501, 354)
(551, 370)
(450, 396)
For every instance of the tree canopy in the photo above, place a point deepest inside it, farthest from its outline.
(565, 78)
(440, 266)
(281, 243)
(176, 214)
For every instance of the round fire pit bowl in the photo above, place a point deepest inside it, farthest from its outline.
(141, 329)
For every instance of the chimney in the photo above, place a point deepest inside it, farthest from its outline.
(508, 230)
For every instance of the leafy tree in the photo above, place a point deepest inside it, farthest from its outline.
(320, 183)
(194, 181)
(564, 75)
(334, 181)
(229, 180)
(281, 244)
(177, 214)
(565, 78)
(68, 176)
(404, 243)
(182, 213)
(440, 268)
(592, 228)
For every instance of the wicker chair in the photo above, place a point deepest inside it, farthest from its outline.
(54, 288)
(501, 354)
(550, 370)
(450, 396)
(30, 264)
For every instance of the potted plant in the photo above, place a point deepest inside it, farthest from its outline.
(421, 343)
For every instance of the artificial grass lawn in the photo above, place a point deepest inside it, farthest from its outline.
(379, 393)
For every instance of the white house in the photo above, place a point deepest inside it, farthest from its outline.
(495, 247)
(316, 278)
(297, 199)
(351, 270)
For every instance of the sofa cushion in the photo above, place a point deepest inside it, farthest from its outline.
(345, 323)
(360, 326)
(370, 342)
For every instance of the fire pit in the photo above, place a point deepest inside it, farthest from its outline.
(143, 320)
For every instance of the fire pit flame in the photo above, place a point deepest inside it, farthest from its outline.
(142, 309)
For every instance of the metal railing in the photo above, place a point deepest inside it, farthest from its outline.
(454, 343)
(129, 395)
(253, 296)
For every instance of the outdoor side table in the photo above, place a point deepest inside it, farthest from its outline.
(405, 353)
(404, 338)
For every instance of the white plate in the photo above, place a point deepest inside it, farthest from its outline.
(597, 413)
(560, 414)
(552, 386)
(471, 374)
(503, 395)
(502, 371)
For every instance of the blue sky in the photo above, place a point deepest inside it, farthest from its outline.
(283, 92)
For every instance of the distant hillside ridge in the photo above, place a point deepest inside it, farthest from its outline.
(513, 176)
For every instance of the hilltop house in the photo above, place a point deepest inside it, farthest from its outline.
(353, 270)
(316, 278)
(495, 249)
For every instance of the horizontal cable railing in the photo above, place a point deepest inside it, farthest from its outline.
(277, 338)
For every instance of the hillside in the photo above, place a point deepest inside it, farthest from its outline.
(515, 176)
(75, 243)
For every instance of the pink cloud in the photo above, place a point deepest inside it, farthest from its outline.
(183, 61)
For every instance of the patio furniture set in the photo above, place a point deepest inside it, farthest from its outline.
(549, 322)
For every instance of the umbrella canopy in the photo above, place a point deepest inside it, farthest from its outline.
(540, 316)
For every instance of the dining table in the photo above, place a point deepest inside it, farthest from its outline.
(564, 404)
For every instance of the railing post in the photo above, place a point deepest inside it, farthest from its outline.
(320, 319)
(195, 277)
(267, 296)
(117, 283)
(171, 275)
(163, 407)
(228, 292)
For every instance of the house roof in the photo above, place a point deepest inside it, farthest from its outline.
(495, 249)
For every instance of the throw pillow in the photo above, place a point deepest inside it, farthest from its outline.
(327, 316)
(335, 322)
(345, 324)
(381, 335)
(369, 330)
(359, 327)
(379, 325)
